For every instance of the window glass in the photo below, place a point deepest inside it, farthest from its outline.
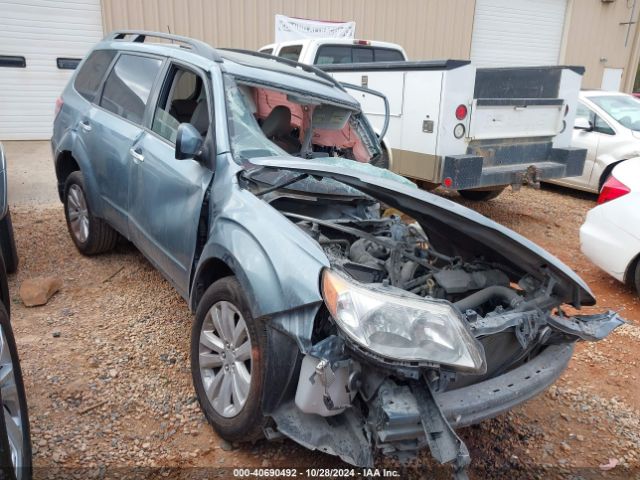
(388, 55)
(583, 112)
(267, 51)
(128, 86)
(13, 61)
(67, 63)
(330, 54)
(88, 80)
(623, 108)
(601, 126)
(246, 136)
(183, 100)
(292, 52)
(362, 55)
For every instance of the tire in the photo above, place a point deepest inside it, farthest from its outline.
(91, 234)
(224, 376)
(8, 244)
(481, 195)
(636, 278)
(15, 450)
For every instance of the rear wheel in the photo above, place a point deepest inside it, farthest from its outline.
(483, 195)
(228, 357)
(15, 438)
(8, 244)
(91, 234)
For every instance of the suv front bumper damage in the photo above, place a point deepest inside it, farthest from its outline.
(405, 416)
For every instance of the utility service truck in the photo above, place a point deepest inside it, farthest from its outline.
(446, 122)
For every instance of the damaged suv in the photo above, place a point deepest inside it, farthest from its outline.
(336, 303)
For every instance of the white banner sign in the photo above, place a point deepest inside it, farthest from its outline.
(288, 28)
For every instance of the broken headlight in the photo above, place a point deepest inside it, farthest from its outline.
(401, 327)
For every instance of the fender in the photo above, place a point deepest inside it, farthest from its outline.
(276, 263)
(72, 142)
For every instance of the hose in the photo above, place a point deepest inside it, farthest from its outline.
(481, 296)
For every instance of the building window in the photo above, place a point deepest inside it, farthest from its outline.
(67, 63)
(12, 61)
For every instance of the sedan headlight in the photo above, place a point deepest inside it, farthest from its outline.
(401, 327)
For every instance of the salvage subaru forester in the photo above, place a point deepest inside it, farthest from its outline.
(336, 303)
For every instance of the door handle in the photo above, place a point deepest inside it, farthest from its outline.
(85, 126)
(137, 155)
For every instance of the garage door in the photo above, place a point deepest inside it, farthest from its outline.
(517, 32)
(40, 42)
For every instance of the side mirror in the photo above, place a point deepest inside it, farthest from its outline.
(188, 142)
(582, 123)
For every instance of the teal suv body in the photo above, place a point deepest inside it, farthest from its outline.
(335, 303)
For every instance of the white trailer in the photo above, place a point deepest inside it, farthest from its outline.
(452, 124)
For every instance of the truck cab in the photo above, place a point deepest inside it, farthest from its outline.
(336, 51)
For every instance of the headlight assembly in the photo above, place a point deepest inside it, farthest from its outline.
(401, 327)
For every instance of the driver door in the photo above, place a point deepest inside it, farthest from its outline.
(166, 195)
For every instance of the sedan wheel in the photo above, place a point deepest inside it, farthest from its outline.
(78, 213)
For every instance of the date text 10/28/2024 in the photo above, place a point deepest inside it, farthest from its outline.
(316, 472)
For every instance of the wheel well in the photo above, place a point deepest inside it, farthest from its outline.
(213, 270)
(631, 270)
(65, 166)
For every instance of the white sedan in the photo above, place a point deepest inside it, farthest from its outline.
(608, 125)
(610, 236)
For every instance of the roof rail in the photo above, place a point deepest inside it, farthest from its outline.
(291, 63)
(197, 46)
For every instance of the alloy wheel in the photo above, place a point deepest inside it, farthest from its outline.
(78, 213)
(225, 358)
(11, 410)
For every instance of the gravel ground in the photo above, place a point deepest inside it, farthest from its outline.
(106, 366)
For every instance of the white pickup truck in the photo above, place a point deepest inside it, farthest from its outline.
(475, 130)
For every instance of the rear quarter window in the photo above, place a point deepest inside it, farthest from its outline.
(127, 88)
(92, 72)
(291, 52)
(388, 55)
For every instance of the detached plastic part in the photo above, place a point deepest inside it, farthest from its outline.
(323, 390)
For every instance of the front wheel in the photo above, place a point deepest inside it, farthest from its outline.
(483, 195)
(228, 357)
(15, 438)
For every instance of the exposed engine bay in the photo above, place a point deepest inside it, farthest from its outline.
(372, 376)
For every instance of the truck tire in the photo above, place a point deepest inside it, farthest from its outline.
(228, 362)
(90, 234)
(8, 244)
(483, 195)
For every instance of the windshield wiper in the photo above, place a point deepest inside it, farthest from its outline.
(280, 185)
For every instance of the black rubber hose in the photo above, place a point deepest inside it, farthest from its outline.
(481, 296)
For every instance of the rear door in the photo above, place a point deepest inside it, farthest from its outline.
(166, 195)
(115, 128)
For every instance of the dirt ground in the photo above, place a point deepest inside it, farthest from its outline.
(106, 365)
